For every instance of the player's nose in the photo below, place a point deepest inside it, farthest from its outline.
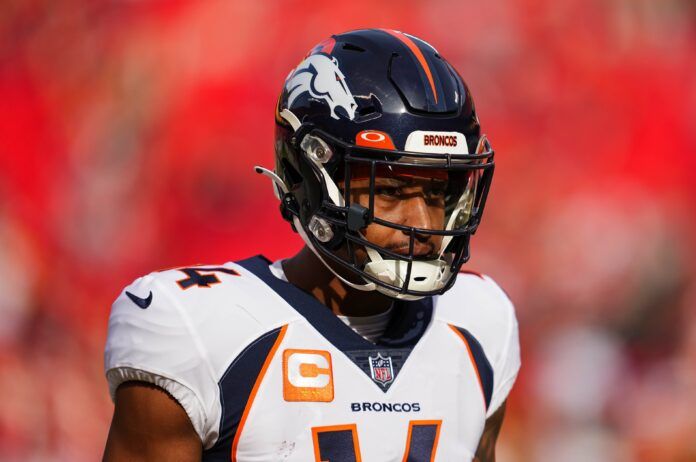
(418, 213)
(418, 216)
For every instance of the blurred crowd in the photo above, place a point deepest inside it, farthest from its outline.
(128, 133)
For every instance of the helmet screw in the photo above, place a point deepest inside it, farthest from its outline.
(321, 229)
(316, 149)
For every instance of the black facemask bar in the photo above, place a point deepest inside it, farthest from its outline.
(347, 219)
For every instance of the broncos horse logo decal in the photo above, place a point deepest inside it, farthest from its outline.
(320, 76)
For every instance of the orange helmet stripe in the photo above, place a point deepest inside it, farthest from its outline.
(406, 40)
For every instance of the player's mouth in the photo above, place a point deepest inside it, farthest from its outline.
(420, 250)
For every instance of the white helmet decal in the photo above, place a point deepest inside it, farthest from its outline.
(320, 76)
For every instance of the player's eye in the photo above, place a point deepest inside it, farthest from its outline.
(436, 192)
(387, 191)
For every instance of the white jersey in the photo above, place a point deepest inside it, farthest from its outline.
(267, 373)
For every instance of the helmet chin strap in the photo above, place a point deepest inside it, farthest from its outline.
(334, 195)
(279, 185)
(370, 286)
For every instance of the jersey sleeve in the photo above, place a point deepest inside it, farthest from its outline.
(476, 303)
(507, 365)
(155, 343)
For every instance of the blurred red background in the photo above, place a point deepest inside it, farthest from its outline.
(128, 133)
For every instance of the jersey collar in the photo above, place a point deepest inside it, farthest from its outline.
(404, 330)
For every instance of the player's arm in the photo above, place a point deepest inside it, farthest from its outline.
(158, 379)
(486, 448)
(148, 424)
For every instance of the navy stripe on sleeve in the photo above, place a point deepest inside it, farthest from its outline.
(485, 371)
(236, 386)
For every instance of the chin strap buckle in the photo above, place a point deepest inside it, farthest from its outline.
(289, 207)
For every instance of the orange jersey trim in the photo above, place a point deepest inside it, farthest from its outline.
(471, 357)
(252, 395)
(412, 424)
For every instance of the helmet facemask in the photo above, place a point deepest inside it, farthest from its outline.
(336, 228)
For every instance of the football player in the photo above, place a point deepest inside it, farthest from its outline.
(369, 344)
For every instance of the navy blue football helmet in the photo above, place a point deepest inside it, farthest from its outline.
(378, 101)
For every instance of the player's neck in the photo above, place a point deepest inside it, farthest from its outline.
(307, 272)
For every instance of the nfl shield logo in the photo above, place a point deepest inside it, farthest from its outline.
(381, 369)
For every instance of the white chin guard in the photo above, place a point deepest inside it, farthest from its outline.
(425, 276)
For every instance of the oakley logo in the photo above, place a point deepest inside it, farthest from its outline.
(374, 139)
(307, 376)
(320, 76)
